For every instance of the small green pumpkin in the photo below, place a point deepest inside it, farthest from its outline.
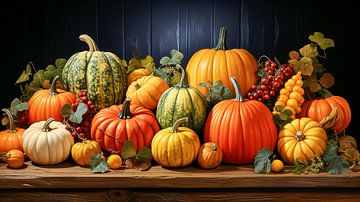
(181, 101)
(101, 73)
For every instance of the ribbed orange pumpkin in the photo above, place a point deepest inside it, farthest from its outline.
(14, 158)
(11, 138)
(220, 64)
(45, 104)
(241, 128)
(320, 108)
(112, 126)
(210, 155)
(137, 74)
(147, 91)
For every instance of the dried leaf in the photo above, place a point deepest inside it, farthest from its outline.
(309, 50)
(326, 43)
(5, 121)
(128, 150)
(316, 37)
(46, 84)
(294, 55)
(306, 66)
(25, 75)
(314, 85)
(327, 80)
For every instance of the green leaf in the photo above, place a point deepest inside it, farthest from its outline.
(23, 107)
(165, 60)
(66, 110)
(98, 165)
(287, 112)
(326, 43)
(60, 63)
(25, 75)
(334, 163)
(262, 162)
(325, 93)
(309, 50)
(50, 68)
(14, 106)
(78, 115)
(176, 57)
(128, 150)
(316, 37)
(145, 154)
(283, 117)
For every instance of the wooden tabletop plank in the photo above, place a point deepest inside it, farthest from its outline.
(68, 175)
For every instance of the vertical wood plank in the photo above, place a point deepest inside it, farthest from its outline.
(137, 27)
(165, 28)
(184, 28)
(111, 22)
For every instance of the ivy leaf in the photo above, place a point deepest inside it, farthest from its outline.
(18, 106)
(60, 63)
(25, 75)
(98, 165)
(144, 154)
(309, 50)
(316, 37)
(78, 115)
(165, 60)
(176, 57)
(334, 163)
(128, 151)
(262, 162)
(66, 110)
(326, 43)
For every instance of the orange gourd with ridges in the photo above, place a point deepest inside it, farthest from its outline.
(12, 137)
(241, 128)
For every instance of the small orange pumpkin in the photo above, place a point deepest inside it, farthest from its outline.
(137, 74)
(210, 155)
(45, 104)
(14, 158)
(277, 166)
(82, 152)
(114, 161)
(146, 91)
(11, 138)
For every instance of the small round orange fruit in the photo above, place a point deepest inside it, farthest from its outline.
(114, 161)
(15, 158)
(277, 166)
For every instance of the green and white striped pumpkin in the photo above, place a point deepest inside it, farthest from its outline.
(101, 73)
(181, 101)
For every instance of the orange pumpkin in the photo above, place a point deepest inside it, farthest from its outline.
(241, 128)
(214, 64)
(147, 91)
(11, 138)
(277, 166)
(81, 152)
(113, 126)
(301, 139)
(137, 74)
(45, 104)
(320, 108)
(14, 158)
(209, 156)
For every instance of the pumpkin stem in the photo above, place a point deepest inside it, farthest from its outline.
(222, 37)
(299, 136)
(177, 123)
(46, 127)
(239, 97)
(125, 110)
(89, 41)
(12, 128)
(214, 147)
(137, 86)
(52, 90)
(181, 83)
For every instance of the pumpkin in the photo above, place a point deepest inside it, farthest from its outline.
(175, 146)
(12, 137)
(218, 64)
(301, 139)
(114, 161)
(14, 158)
(181, 101)
(320, 108)
(147, 91)
(47, 142)
(240, 127)
(101, 73)
(81, 152)
(46, 104)
(137, 74)
(277, 166)
(113, 126)
(210, 155)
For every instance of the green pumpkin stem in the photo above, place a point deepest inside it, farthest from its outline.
(46, 127)
(52, 90)
(222, 39)
(89, 41)
(125, 110)
(239, 97)
(181, 83)
(177, 123)
(12, 128)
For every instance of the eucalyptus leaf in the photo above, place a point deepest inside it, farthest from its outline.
(262, 162)
(128, 151)
(80, 111)
(66, 110)
(98, 165)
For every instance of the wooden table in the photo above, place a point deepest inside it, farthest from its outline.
(68, 182)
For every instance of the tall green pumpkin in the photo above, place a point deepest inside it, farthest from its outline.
(101, 73)
(181, 101)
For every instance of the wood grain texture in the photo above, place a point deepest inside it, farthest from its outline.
(32, 176)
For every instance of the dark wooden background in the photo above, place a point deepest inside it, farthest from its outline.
(41, 31)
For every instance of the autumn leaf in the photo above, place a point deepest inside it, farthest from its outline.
(326, 43)
(314, 85)
(327, 80)
(316, 37)
(294, 55)
(306, 66)
(309, 50)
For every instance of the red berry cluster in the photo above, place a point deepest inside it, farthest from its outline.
(23, 121)
(82, 130)
(271, 79)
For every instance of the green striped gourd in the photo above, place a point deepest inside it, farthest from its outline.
(101, 73)
(182, 101)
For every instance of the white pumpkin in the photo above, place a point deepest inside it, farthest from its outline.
(47, 142)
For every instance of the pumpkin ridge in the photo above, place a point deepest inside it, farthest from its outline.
(192, 118)
(239, 63)
(342, 112)
(174, 106)
(112, 75)
(198, 65)
(65, 73)
(224, 129)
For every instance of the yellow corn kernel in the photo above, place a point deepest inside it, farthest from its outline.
(292, 103)
(296, 95)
